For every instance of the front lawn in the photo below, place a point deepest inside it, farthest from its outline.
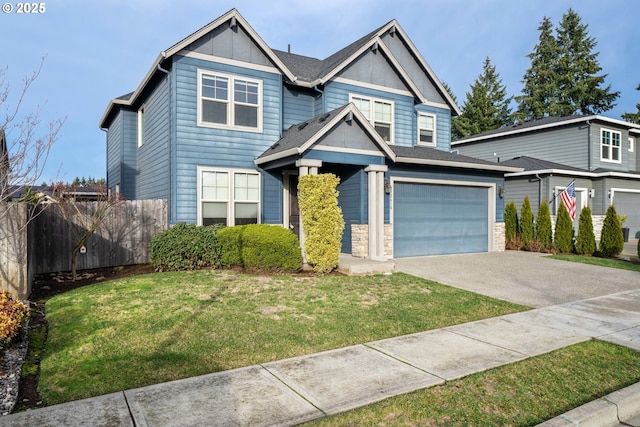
(148, 329)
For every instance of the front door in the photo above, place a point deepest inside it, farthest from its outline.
(292, 210)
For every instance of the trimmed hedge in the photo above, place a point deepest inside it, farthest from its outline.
(13, 314)
(186, 247)
(611, 239)
(230, 239)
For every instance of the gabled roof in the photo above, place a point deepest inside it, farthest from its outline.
(301, 137)
(543, 124)
(297, 69)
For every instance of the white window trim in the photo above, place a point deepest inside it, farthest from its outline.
(372, 101)
(230, 102)
(141, 126)
(435, 129)
(632, 144)
(231, 201)
(619, 147)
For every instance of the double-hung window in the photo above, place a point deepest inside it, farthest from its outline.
(378, 112)
(610, 145)
(229, 197)
(230, 102)
(426, 129)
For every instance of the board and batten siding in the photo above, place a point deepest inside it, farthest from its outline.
(374, 68)
(203, 146)
(568, 146)
(153, 155)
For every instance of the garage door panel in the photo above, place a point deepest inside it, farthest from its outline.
(628, 203)
(431, 219)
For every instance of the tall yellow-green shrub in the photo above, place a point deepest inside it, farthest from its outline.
(322, 220)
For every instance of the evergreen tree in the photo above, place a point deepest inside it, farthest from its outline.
(511, 225)
(586, 240)
(580, 88)
(526, 223)
(563, 235)
(611, 238)
(538, 93)
(487, 105)
(563, 78)
(543, 226)
(633, 117)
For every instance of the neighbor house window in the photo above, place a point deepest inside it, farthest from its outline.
(378, 112)
(426, 129)
(632, 144)
(141, 126)
(610, 145)
(226, 101)
(228, 197)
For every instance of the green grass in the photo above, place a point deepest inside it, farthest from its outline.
(603, 262)
(143, 330)
(521, 394)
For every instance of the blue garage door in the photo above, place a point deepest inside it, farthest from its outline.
(431, 219)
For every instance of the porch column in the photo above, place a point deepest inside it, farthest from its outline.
(376, 211)
(306, 167)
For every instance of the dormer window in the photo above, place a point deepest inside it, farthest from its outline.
(378, 112)
(229, 102)
(610, 146)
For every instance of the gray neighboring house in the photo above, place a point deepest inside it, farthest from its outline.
(600, 153)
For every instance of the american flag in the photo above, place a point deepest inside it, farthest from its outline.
(568, 197)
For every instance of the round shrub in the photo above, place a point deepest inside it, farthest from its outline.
(563, 235)
(13, 314)
(586, 239)
(611, 238)
(267, 247)
(511, 225)
(186, 247)
(230, 239)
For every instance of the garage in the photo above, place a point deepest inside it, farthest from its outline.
(436, 219)
(628, 203)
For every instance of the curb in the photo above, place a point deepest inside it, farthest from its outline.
(609, 410)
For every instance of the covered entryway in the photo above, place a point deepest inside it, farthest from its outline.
(440, 218)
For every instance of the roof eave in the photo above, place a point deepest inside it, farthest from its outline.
(464, 165)
(552, 172)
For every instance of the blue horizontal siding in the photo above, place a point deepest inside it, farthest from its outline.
(443, 125)
(129, 154)
(114, 152)
(297, 107)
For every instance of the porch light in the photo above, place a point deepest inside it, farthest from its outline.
(387, 187)
(501, 192)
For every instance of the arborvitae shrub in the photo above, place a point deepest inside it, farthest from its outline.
(526, 223)
(13, 314)
(586, 239)
(271, 248)
(511, 226)
(611, 239)
(186, 247)
(321, 219)
(563, 235)
(543, 226)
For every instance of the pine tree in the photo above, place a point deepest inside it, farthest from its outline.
(543, 226)
(563, 234)
(487, 105)
(526, 223)
(611, 238)
(580, 88)
(586, 240)
(633, 117)
(563, 78)
(538, 93)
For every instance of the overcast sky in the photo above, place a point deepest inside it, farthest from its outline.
(100, 49)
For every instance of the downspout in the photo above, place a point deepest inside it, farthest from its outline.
(589, 144)
(170, 209)
(324, 105)
(539, 188)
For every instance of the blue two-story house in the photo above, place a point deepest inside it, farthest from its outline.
(223, 125)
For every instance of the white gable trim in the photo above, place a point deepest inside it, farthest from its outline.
(372, 86)
(227, 61)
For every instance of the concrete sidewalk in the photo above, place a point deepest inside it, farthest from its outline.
(300, 389)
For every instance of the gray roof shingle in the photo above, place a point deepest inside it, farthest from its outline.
(532, 164)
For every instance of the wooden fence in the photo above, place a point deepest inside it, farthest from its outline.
(122, 239)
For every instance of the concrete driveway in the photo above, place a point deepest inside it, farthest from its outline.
(526, 278)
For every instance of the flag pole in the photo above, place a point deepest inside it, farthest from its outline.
(556, 195)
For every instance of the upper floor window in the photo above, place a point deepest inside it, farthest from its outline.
(632, 144)
(226, 101)
(379, 113)
(610, 145)
(426, 129)
(229, 197)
